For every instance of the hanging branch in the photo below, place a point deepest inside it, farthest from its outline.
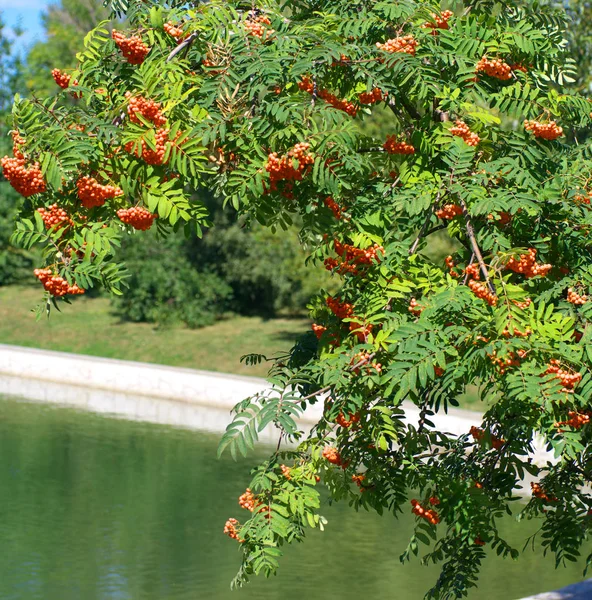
(475, 246)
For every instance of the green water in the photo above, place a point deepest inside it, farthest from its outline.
(93, 508)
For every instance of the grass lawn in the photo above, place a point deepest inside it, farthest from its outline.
(88, 326)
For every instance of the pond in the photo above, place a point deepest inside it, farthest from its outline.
(94, 508)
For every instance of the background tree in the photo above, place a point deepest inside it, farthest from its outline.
(262, 107)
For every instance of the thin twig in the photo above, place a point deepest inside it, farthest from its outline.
(475, 246)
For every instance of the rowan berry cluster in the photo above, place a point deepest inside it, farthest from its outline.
(574, 298)
(332, 455)
(318, 330)
(351, 420)
(286, 472)
(478, 434)
(461, 130)
(546, 131)
(438, 371)
(333, 207)
(451, 265)
(568, 379)
(516, 332)
(415, 308)
(359, 481)
(360, 330)
(406, 45)
(576, 420)
(449, 211)
(494, 68)
(150, 156)
(248, 501)
(429, 514)
(473, 271)
(352, 258)
(256, 26)
(134, 50)
(439, 21)
(350, 108)
(527, 266)
(373, 97)
(91, 193)
(282, 168)
(56, 285)
(62, 79)
(231, 528)
(363, 358)
(394, 146)
(149, 109)
(342, 310)
(26, 181)
(173, 30)
(17, 142)
(512, 360)
(137, 217)
(481, 290)
(502, 218)
(583, 199)
(523, 305)
(538, 492)
(55, 217)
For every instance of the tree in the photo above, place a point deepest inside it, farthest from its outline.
(262, 106)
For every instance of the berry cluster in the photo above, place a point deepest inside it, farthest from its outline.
(282, 168)
(150, 156)
(576, 420)
(56, 285)
(62, 79)
(494, 68)
(286, 472)
(415, 308)
(451, 265)
(55, 217)
(26, 181)
(350, 108)
(173, 31)
(481, 290)
(134, 50)
(406, 45)
(527, 266)
(149, 109)
(461, 130)
(343, 422)
(359, 481)
(512, 360)
(574, 298)
(137, 217)
(248, 501)
(583, 199)
(517, 332)
(438, 371)
(256, 26)
(429, 514)
(478, 434)
(360, 330)
(363, 358)
(538, 492)
(342, 310)
(502, 218)
(91, 193)
(373, 97)
(394, 146)
(318, 330)
(231, 528)
(332, 455)
(333, 207)
(473, 271)
(449, 211)
(439, 21)
(568, 379)
(352, 258)
(17, 142)
(546, 131)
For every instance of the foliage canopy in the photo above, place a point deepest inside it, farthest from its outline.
(262, 104)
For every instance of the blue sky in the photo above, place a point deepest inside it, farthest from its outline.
(27, 13)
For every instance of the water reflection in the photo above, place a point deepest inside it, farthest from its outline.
(93, 508)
